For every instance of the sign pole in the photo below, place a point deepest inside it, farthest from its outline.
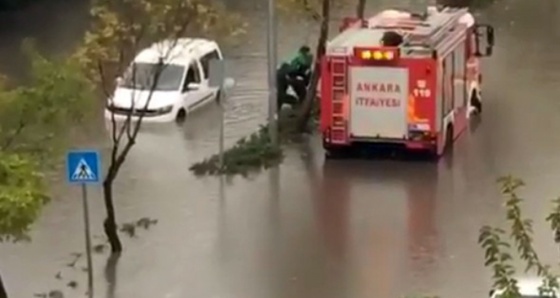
(272, 64)
(88, 240)
(222, 119)
(84, 167)
(216, 79)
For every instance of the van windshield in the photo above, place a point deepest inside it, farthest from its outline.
(140, 76)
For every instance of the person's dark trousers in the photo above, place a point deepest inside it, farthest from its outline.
(281, 89)
(300, 88)
(282, 85)
(3, 293)
(283, 78)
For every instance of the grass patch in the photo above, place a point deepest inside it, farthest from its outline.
(252, 153)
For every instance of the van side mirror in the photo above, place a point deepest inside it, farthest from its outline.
(490, 35)
(229, 83)
(485, 39)
(193, 86)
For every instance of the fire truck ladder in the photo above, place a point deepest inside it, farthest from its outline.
(424, 31)
(339, 100)
(438, 27)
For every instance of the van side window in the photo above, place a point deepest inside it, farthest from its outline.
(193, 76)
(205, 61)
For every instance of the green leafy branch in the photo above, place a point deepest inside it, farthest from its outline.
(22, 194)
(521, 233)
(497, 257)
(497, 254)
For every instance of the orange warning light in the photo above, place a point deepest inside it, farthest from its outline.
(376, 54)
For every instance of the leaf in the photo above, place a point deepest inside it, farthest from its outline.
(22, 195)
(115, 36)
(72, 284)
(520, 232)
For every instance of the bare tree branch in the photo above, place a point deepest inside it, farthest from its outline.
(133, 133)
(316, 16)
(161, 67)
(103, 80)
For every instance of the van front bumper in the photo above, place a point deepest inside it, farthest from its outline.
(153, 118)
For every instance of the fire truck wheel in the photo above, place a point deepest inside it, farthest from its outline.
(476, 103)
(334, 153)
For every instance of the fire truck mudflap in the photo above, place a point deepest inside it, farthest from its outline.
(378, 103)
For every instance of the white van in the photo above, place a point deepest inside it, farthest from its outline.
(182, 83)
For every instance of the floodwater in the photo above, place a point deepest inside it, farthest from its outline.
(356, 229)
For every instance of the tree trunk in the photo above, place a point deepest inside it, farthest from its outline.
(3, 293)
(110, 224)
(360, 9)
(307, 106)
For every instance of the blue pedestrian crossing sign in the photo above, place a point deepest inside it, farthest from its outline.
(83, 167)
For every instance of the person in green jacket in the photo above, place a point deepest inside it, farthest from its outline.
(295, 74)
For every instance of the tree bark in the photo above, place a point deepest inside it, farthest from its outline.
(360, 9)
(110, 224)
(310, 97)
(3, 293)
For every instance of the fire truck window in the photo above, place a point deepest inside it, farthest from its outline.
(448, 84)
(442, 88)
(459, 92)
(472, 44)
(440, 98)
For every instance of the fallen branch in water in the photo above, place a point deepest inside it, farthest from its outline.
(252, 153)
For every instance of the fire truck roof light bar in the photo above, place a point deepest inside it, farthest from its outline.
(376, 54)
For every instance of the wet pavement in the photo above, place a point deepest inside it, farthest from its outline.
(355, 229)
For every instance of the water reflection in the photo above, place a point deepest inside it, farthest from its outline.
(332, 214)
(423, 240)
(390, 209)
(111, 274)
(273, 250)
(332, 207)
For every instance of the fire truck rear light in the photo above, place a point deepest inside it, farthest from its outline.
(366, 55)
(376, 55)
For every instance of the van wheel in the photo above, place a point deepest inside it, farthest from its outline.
(476, 103)
(181, 115)
(218, 96)
(448, 139)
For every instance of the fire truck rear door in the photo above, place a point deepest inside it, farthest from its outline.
(378, 106)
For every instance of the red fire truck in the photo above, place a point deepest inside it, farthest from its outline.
(416, 95)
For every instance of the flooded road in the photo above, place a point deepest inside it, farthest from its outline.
(356, 229)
